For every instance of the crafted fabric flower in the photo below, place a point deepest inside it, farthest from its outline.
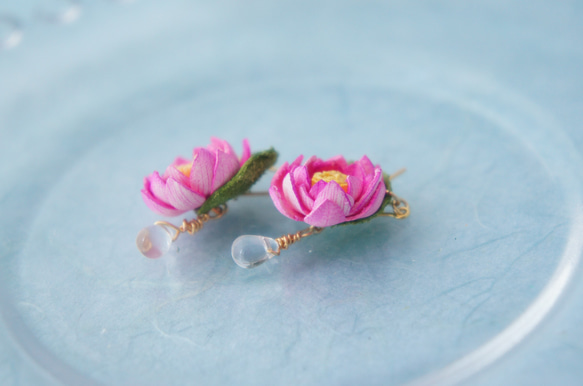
(186, 184)
(325, 193)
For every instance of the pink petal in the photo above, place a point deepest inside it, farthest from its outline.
(280, 174)
(219, 144)
(297, 161)
(326, 214)
(336, 163)
(317, 188)
(334, 193)
(158, 206)
(180, 161)
(201, 174)
(172, 169)
(305, 199)
(292, 195)
(281, 205)
(246, 152)
(283, 170)
(366, 165)
(301, 177)
(373, 205)
(226, 166)
(157, 186)
(315, 164)
(181, 197)
(312, 164)
(354, 187)
(172, 172)
(355, 169)
(370, 189)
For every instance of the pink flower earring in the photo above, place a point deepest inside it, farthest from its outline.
(204, 184)
(322, 194)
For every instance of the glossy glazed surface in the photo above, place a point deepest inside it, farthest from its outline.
(481, 103)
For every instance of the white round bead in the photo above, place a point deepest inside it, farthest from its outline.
(154, 241)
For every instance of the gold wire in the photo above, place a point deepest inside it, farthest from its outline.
(196, 224)
(397, 173)
(400, 207)
(256, 194)
(285, 241)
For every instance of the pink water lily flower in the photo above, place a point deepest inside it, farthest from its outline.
(186, 184)
(324, 193)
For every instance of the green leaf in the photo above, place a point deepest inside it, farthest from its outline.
(386, 201)
(249, 173)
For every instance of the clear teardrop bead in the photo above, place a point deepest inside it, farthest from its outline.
(154, 241)
(250, 251)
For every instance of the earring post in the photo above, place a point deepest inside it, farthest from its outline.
(397, 173)
(252, 194)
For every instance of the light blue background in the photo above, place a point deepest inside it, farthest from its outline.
(481, 102)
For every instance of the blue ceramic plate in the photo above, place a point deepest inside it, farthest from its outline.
(455, 94)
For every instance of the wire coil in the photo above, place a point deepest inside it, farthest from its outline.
(285, 241)
(194, 225)
(400, 207)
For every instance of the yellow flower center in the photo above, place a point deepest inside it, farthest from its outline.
(331, 175)
(184, 169)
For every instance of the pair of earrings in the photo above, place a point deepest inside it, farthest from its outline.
(321, 193)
